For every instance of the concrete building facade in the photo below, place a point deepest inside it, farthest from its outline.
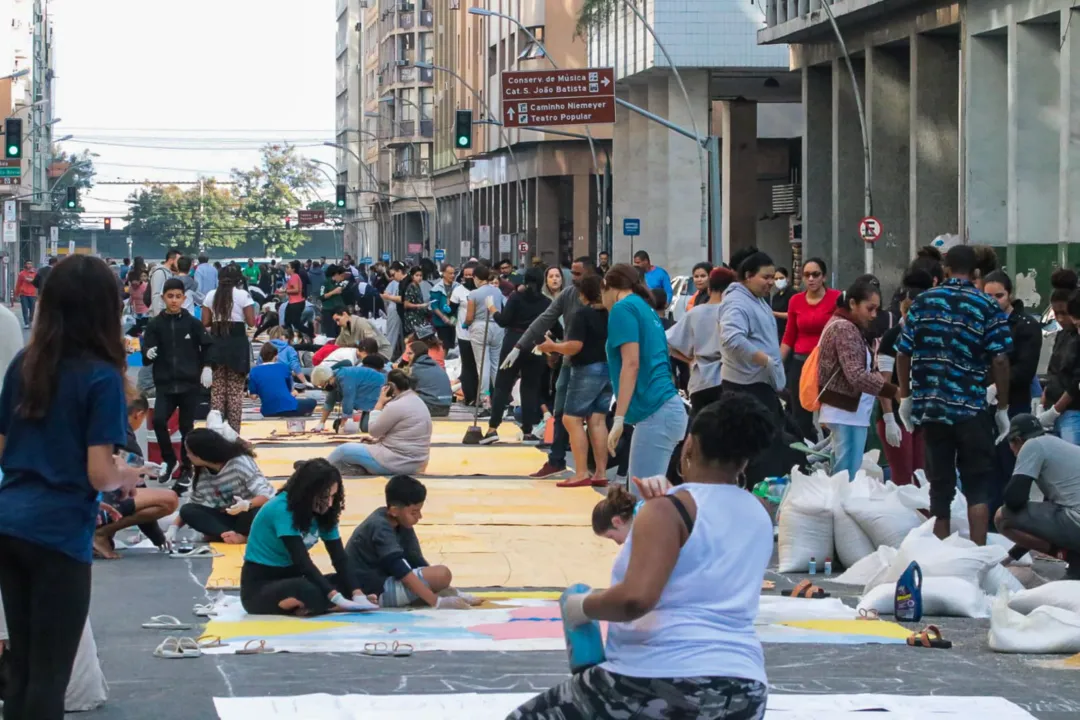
(348, 115)
(515, 193)
(735, 90)
(972, 113)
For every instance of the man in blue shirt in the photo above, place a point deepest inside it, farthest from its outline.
(271, 383)
(206, 275)
(655, 277)
(953, 336)
(356, 387)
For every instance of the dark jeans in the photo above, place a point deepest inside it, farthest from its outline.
(530, 368)
(27, 302)
(46, 599)
(304, 407)
(214, 522)
(267, 322)
(262, 587)
(329, 328)
(447, 336)
(757, 469)
(701, 398)
(164, 406)
(294, 319)
(469, 380)
(967, 448)
(804, 419)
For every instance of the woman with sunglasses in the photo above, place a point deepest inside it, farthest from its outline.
(807, 314)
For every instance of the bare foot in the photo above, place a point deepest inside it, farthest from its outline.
(103, 548)
(373, 599)
(233, 538)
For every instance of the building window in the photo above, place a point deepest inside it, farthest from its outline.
(531, 50)
(493, 60)
(426, 102)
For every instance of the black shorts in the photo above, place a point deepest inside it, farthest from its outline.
(966, 447)
(1045, 520)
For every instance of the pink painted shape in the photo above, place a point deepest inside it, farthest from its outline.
(530, 623)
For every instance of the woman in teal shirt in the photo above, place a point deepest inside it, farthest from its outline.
(637, 352)
(278, 577)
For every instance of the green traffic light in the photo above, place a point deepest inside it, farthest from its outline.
(13, 150)
(462, 141)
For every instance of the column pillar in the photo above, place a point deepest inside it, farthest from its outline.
(547, 220)
(847, 176)
(583, 227)
(987, 174)
(629, 171)
(1069, 193)
(888, 117)
(817, 161)
(738, 175)
(683, 249)
(661, 142)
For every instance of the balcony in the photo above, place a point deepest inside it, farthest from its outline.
(406, 21)
(403, 133)
(406, 74)
(412, 168)
(800, 20)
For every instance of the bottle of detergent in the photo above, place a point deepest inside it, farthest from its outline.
(584, 644)
(908, 601)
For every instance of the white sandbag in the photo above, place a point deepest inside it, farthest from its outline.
(996, 577)
(939, 559)
(883, 517)
(868, 568)
(941, 597)
(87, 689)
(871, 466)
(806, 522)
(775, 609)
(852, 543)
(1002, 541)
(1064, 594)
(1045, 630)
(917, 497)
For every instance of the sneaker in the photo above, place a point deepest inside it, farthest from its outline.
(547, 471)
(183, 483)
(572, 483)
(484, 414)
(529, 439)
(491, 438)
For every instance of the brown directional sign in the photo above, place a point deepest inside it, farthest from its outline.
(311, 217)
(558, 97)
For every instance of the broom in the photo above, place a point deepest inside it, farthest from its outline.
(474, 434)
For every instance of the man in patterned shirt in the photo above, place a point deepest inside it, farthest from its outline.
(953, 336)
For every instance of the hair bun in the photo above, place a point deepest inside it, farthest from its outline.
(1063, 279)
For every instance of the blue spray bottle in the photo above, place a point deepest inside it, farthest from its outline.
(908, 601)
(584, 644)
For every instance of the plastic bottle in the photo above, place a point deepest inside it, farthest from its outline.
(907, 604)
(584, 644)
(828, 566)
(813, 566)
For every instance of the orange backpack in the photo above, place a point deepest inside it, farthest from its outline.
(809, 387)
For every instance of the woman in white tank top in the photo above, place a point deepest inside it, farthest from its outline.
(684, 592)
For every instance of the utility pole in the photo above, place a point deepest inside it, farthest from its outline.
(198, 222)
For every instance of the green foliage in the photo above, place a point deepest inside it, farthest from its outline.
(272, 191)
(81, 176)
(186, 218)
(595, 14)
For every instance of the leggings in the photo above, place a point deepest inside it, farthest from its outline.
(469, 380)
(46, 598)
(529, 368)
(597, 693)
(262, 587)
(294, 319)
(215, 522)
(227, 395)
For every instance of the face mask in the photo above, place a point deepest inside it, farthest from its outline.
(470, 283)
(781, 284)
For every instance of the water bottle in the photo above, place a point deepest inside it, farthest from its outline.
(813, 566)
(907, 603)
(584, 644)
(828, 566)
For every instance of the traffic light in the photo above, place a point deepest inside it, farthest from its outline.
(341, 196)
(463, 130)
(13, 138)
(108, 224)
(72, 198)
(288, 223)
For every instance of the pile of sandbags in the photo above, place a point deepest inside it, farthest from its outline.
(1039, 621)
(806, 521)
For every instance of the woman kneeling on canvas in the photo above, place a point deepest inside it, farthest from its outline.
(279, 577)
(684, 591)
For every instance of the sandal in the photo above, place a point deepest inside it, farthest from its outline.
(210, 641)
(259, 649)
(207, 610)
(202, 551)
(174, 648)
(930, 637)
(377, 649)
(401, 649)
(870, 614)
(165, 622)
(806, 589)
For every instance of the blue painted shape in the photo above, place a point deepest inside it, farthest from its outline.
(631, 227)
(440, 254)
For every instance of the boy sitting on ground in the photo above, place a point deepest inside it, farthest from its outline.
(384, 553)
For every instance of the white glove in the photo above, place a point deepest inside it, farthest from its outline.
(207, 377)
(151, 353)
(511, 358)
(347, 605)
(991, 396)
(452, 603)
(1001, 417)
(573, 611)
(170, 535)
(893, 436)
(241, 505)
(615, 433)
(547, 416)
(1036, 406)
(904, 413)
(489, 303)
(1048, 417)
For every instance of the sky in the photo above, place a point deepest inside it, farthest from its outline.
(203, 84)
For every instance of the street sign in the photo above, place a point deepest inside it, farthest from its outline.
(385, 257)
(311, 217)
(366, 260)
(414, 248)
(440, 254)
(631, 227)
(870, 229)
(10, 211)
(504, 242)
(10, 180)
(10, 167)
(11, 231)
(466, 249)
(523, 247)
(541, 98)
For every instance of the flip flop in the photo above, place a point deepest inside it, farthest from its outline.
(768, 585)
(401, 649)
(259, 649)
(201, 551)
(870, 614)
(805, 589)
(377, 649)
(210, 641)
(165, 622)
(207, 610)
(929, 637)
(175, 648)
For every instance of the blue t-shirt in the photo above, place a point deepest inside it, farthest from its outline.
(272, 382)
(273, 522)
(632, 320)
(360, 388)
(45, 496)
(658, 278)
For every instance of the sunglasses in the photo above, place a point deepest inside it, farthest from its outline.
(813, 274)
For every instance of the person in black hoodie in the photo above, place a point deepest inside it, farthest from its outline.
(1061, 398)
(174, 345)
(522, 307)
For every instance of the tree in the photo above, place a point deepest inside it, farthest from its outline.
(190, 219)
(595, 14)
(271, 192)
(80, 175)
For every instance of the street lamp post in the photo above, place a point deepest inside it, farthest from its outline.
(502, 134)
(371, 175)
(424, 216)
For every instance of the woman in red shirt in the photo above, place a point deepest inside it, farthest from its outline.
(26, 292)
(294, 292)
(808, 313)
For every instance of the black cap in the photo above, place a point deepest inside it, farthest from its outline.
(1024, 427)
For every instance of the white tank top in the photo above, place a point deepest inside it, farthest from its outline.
(703, 625)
